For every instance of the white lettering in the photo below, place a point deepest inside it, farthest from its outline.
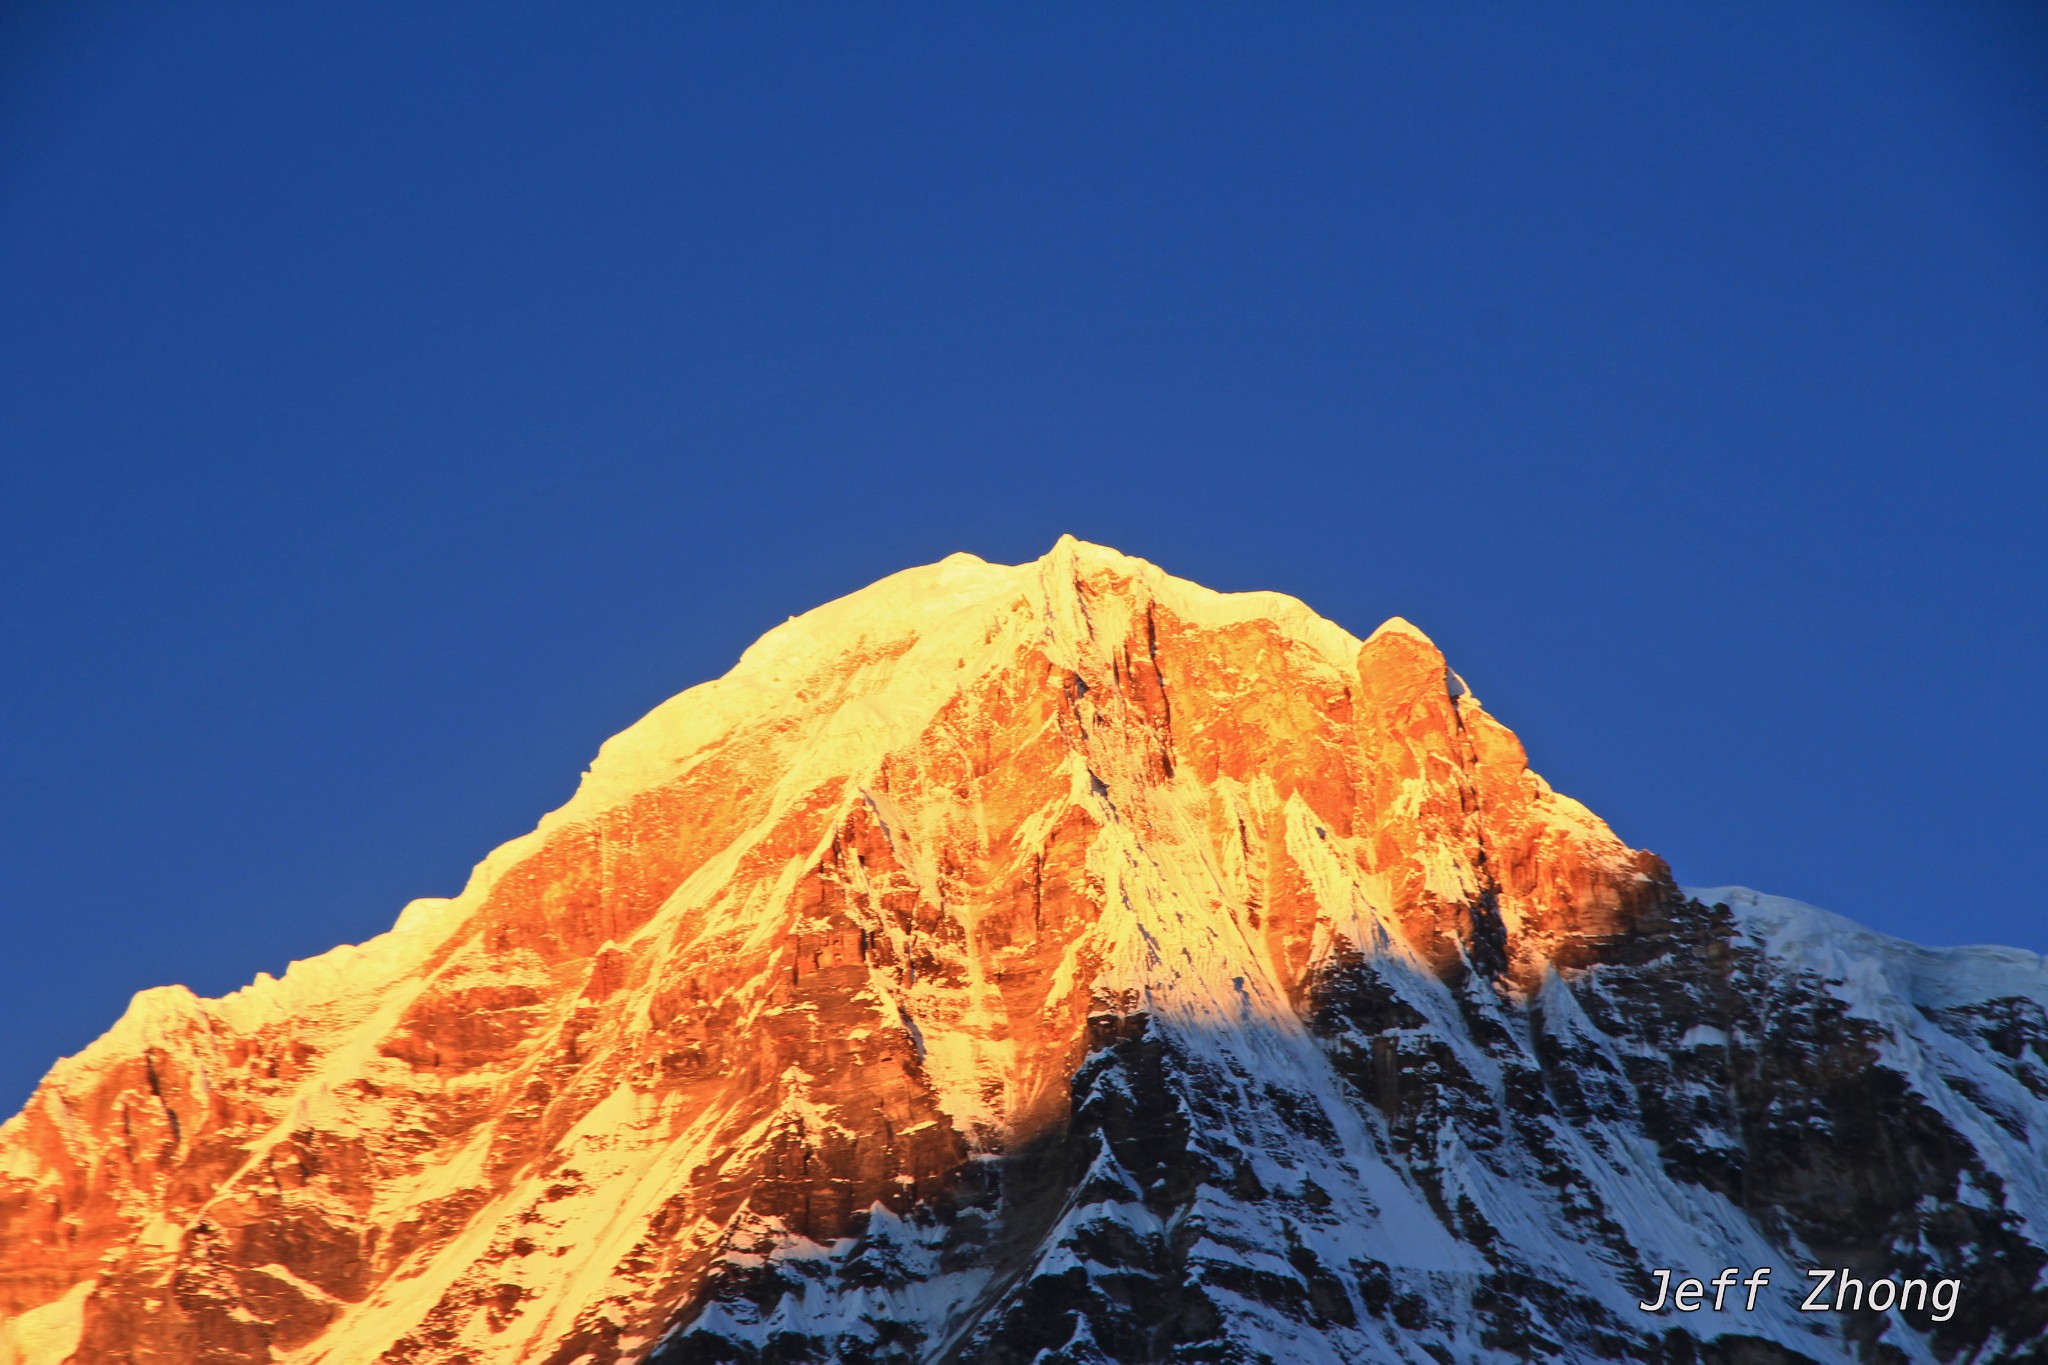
(1831, 1291)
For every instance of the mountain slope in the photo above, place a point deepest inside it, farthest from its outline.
(1056, 962)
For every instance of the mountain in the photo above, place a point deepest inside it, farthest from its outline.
(1057, 963)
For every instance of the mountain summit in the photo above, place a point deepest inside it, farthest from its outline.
(1062, 963)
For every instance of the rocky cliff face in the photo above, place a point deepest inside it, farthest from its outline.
(1049, 963)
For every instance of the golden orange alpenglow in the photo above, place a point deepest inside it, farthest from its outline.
(807, 938)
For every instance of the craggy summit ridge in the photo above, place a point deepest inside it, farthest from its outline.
(1058, 962)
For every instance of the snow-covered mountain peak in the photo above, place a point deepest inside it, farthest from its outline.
(1053, 962)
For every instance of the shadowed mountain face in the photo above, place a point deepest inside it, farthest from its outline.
(1054, 963)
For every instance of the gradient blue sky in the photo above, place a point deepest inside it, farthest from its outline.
(395, 403)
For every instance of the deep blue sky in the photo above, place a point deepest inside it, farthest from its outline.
(395, 403)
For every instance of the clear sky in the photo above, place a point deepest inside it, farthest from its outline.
(397, 400)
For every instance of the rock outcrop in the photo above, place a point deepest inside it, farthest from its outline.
(1057, 963)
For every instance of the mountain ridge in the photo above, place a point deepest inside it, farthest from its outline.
(845, 986)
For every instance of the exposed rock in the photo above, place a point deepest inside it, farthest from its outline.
(1053, 963)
